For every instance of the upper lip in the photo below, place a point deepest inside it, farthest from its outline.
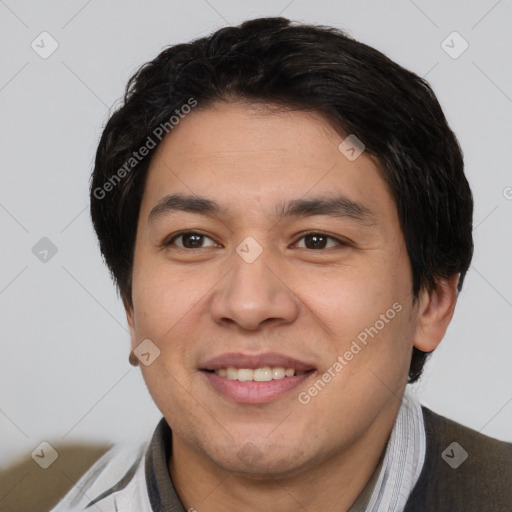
(239, 360)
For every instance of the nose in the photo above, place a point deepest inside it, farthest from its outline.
(255, 293)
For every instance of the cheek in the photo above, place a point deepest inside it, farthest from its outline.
(366, 316)
(162, 300)
(169, 304)
(349, 300)
(169, 392)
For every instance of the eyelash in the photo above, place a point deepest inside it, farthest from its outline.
(170, 241)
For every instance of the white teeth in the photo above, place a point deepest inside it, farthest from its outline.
(278, 373)
(245, 374)
(264, 374)
(231, 373)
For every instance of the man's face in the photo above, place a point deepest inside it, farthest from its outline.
(210, 300)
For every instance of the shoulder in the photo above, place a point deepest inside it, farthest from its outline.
(463, 470)
(438, 426)
(119, 469)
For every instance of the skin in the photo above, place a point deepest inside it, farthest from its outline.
(305, 302)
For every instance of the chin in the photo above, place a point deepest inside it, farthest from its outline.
(260, 459)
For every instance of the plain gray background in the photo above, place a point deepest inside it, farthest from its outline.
(64, 372)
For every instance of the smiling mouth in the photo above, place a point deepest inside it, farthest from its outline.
(253, 379)
(263, 374)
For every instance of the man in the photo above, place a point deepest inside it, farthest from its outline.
(285, 214)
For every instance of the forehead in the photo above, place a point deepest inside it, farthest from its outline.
(252, 156)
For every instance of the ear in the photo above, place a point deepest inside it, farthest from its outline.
(435, 312)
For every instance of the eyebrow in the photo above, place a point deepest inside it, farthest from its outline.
(334, 206)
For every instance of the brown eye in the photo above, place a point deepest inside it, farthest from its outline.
(317, 241)
(189, 240)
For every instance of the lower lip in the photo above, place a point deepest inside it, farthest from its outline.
(255, 392)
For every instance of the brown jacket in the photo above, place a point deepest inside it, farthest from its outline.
(452, 482)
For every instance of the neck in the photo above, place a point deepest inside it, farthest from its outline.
(337, 481)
